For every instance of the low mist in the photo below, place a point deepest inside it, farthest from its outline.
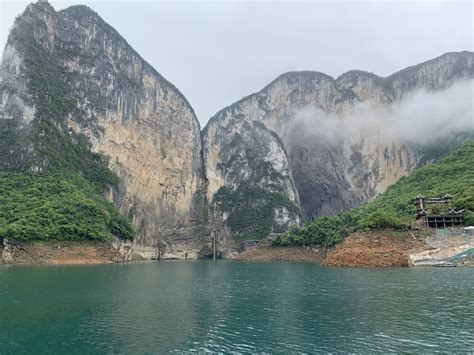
(421, 117)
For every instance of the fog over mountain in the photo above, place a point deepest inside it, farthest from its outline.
(75, 95)
(421, 117)
(218, 52)
(330, 144)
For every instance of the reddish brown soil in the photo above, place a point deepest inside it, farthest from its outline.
(63, 253)
(375, 249)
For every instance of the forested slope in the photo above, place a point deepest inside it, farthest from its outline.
(395, 209)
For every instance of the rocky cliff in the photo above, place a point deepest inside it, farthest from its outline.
(321, 155)
(70, 83)
(75, 96)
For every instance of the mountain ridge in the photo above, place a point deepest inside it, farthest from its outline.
(315, 73)
(73, 91)
(330, 176)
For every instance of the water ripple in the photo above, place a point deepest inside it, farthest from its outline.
(234, 307)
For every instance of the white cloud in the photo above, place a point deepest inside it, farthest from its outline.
(420, 117)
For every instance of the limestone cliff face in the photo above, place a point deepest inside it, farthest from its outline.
(332, 172)
(127, 111)
(256, 195)
(71, 86)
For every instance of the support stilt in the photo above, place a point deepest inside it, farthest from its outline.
(214, 243)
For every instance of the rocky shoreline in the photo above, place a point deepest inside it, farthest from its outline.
(376, 249)
(273, 253)
(384, 248)
(362, 249)
(372, 249)
(64, 253)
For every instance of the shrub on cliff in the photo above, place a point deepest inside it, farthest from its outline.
(57, 205)
(381, 219)
(64, 201)
(469, 218)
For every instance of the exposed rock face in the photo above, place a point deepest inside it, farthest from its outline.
(257, 195)
(331, 173)
(71, 86)
(127, 111)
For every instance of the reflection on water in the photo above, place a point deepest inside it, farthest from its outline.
(234, 306)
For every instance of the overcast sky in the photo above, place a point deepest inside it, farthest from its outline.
(218, 52)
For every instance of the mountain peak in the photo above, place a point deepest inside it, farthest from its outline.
(39, 5)
(357, 73)
(83, 14)
(77, 95)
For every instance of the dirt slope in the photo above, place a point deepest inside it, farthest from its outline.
(60, 253)
(376, 249)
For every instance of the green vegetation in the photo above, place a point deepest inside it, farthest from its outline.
(395, 209)
(251, 206)
(251, 210)
(48, 143)
(57, 205)
(64, 198)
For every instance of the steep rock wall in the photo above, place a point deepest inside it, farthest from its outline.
(331, 173)
(266, 162)
(128, 113)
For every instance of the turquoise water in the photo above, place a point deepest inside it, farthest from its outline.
(234, 306)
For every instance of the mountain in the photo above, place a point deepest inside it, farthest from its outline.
(395, 208)
(75, 96)
(297, 148)
(95, 144)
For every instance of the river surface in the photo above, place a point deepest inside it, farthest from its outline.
(234, 306)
